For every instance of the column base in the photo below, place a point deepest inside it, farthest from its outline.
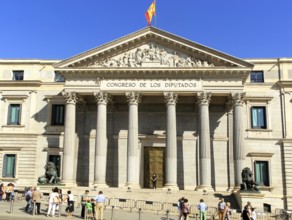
(130, 186)
(170, 187)
(68, 183)
(204, 188)
(99, 185)
(236, 189)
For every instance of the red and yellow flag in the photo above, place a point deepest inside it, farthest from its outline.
(150, 12)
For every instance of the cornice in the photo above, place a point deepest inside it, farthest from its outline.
(22, 83)
(28, 61)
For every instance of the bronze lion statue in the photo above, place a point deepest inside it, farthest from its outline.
(50, 176)
(247, 181)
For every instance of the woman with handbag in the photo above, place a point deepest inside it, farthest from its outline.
(54, 200)
(186, 209)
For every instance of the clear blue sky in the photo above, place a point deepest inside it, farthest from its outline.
(59, 29)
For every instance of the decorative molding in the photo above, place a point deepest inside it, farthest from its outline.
(152, 54)
(170, 98)
(259, 154)
(204, 98)
(266, 99)
(133, 97)
(10, 148)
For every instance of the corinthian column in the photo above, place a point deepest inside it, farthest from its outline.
(101, 140)
(132, 154)
(69, 139)
(204, 146)
(238, 136)
(171, 142)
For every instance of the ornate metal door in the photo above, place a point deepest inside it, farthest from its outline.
(153, 163)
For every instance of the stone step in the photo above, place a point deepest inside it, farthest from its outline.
(158, 195)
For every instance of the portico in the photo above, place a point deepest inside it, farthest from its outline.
(151, 94)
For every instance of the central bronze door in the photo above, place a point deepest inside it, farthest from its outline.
(154, 163)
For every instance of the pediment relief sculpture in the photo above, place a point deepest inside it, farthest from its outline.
(152, 55)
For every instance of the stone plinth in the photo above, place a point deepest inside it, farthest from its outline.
(255, 198)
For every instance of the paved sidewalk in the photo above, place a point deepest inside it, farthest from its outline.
(19, 213)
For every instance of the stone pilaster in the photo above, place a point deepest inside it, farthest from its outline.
(238, 137)
(132, 145)
(171, 141)
(101, 144)
(69, 139)
(204, 99)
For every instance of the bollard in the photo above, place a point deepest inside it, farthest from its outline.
(140, 213)
(33, 209)
(167, 214)
(196, 216)
(112, 214)
(11, 205)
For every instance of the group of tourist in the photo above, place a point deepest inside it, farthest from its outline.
(92, 207)
(7, 192)
(248, 212)
(183, 208)
(223, 210)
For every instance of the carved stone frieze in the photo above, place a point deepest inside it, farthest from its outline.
(70, 97)
(238, 98)
(102, 97)
(155, 55)
(133, 97)
(170, 97)
(204, 98)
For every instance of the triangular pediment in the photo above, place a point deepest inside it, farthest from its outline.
(152, 48)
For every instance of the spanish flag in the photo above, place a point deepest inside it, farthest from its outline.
(150, 12)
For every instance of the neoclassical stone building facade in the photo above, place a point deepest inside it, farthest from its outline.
(150, 102)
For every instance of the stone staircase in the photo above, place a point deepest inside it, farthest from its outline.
(158, 195)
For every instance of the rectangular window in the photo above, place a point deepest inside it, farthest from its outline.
(18, 75)
(262, 173)
(258, 117)
(14, 113)
(59, 77)
(58, 113)
(9, 163)
(257, 76)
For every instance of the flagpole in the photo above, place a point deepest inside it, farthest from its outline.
(155, 12)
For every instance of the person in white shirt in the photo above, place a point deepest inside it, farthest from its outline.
(253, 215)
(53, 201)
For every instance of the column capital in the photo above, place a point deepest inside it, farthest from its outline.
(101, 97)
(229, 105)
(170, 97)
(133, 97)
(238, 98)
(204, 98)
(70, 97)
